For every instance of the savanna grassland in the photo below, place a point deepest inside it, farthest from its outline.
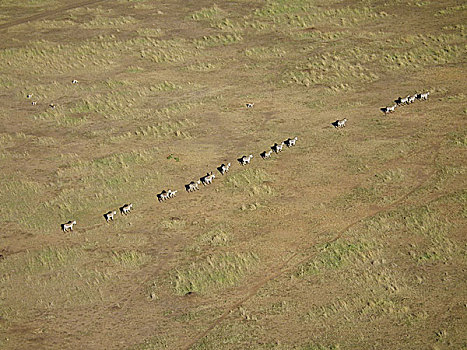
(353, 239)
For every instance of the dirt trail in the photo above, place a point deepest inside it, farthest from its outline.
(283, 267)
(47, 14)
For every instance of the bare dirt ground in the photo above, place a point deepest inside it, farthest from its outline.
(354, 238)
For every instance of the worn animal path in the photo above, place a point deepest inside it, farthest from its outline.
(47, 14)
(285, 267)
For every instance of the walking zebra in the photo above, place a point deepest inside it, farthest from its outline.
(126, 209)
(110, 215)
(266, 155)
(245, 159)
(291, 142)
(68, 226)
(223, 168)
(192, 186)
(207, 179)
(278, 148)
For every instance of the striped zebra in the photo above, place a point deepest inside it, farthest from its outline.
(244, 160)
(387, 110)
(193, 186)
(266, 155)
(110, 215)
(126, 209)
(207, 179)
(291, 142)
(223, 168)
(402, 100)
(162, 196)
(68, 226)
(341, 123)
(278, 148)
(423, 96)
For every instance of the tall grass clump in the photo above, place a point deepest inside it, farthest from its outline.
(213, 273)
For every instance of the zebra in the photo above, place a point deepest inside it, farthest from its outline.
(277, 148)
(266, 155)
(223, 168)
(402, 100)
(341, 123)
(125, 209)
(250, 105)
(68, 226)
(207, 180)
(291, 142)
(244, 160)
(171, 194)
(162, 196)
(34, 103)
(192, 186)
(387, 110)
(423, 96)
(110, 215)
(28, 95)
(52, 105)
(74, 81)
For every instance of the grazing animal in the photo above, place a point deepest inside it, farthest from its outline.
(245, 159)
(52, 105)
(387, 110)
(74, 81)
(250, 105)
(110, 215)
(162, 196)
(192, 186)
(207, 179)
(126, 209)
(266, 155)
(291, 142)
(423, 96)
(412, 99)
(68, 226)
(223, 168)
(341, 123)
(171, 194)
(28, 95)
(34, 103)
(402, 100)
(277, 148)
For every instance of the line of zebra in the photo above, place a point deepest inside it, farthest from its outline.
(401, 101)
(51, 105)
(193, 185)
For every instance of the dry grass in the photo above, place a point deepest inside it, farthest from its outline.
(263, 258)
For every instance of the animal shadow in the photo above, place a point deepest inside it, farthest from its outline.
(335, 124)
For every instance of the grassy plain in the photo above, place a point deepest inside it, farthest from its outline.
(353, 239)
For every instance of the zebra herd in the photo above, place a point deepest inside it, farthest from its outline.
(401, 101)
(207, 179)
(194, 185)
(51, 105)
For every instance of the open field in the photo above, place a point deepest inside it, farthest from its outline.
(353, 239)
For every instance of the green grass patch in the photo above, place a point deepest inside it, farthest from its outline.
(251, 181)
(218, 271)
(129, 259)
(331, 256)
